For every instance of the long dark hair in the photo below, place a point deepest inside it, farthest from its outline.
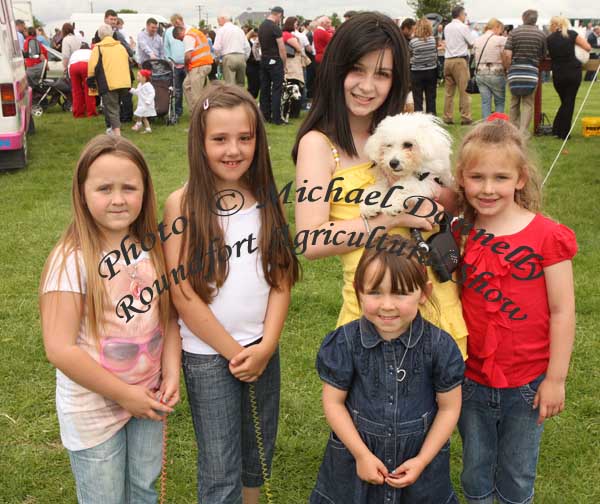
(360, 35)
(280, 265)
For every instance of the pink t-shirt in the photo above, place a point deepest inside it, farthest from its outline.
(86, 418)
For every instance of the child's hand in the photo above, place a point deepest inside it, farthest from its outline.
(550, 398)
(249, 364)
(169, 390)
(370, 469)
(141, 403)
(406, 474)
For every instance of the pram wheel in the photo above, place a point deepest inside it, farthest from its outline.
(67, 106)
(37, 110)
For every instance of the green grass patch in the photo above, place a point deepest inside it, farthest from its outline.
(35, 208)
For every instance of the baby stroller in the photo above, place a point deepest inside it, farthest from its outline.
(48, 92)
(162, 81)
(290, 99)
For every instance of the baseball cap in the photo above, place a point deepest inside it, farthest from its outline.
(277, 9)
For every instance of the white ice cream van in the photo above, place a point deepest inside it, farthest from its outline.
(15, 94)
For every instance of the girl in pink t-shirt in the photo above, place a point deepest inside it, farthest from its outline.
(519, 307)
(116, 375)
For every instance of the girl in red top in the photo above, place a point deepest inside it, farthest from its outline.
(518, 303)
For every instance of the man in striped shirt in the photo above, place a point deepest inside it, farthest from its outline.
(525, 42)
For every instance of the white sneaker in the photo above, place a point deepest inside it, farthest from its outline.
(147, 130)
(109, 131)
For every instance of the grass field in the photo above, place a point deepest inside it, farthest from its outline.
(35, 208)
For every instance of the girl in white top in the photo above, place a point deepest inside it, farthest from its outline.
(116, 375)
(145, 105)
(233, 290)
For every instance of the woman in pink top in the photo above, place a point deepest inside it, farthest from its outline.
(491, 67)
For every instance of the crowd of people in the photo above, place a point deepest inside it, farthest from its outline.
(412, 357)
(460, 53)
(283, 50)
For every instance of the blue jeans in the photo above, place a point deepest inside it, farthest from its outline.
(122, 469)
(178, 78)
(491, 85)
(501, 442)
(227, 449)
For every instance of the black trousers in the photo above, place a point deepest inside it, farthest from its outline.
(253, 76)
(424, 81)
(271, 86)
(566, 82)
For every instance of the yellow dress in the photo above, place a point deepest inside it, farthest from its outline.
(448, 317)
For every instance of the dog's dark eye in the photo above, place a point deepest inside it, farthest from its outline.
(389, 146)
(407, 145)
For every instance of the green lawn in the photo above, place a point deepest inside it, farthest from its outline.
(35, 208)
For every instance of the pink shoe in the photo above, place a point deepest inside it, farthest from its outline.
(137, 126)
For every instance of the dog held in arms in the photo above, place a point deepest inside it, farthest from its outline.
(411, 151)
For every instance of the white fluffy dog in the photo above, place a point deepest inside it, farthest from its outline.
(408, 150)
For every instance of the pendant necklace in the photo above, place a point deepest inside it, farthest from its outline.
(400, 371)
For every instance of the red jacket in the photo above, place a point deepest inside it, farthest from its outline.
(321, 38)
(29, 62)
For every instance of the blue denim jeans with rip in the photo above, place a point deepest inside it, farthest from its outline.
(501, 442)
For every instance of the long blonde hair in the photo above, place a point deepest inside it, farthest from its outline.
(83, 237)
(499, 134)
(559, 23)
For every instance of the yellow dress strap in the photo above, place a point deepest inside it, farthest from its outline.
(334, 151)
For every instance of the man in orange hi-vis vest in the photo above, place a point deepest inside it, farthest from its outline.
(198, 62)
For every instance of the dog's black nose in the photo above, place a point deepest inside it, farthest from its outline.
(394, 163)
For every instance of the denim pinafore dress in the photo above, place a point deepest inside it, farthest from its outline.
(391, 415)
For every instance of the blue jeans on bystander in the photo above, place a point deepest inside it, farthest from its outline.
(491, 85)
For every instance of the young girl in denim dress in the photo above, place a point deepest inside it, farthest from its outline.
(391, 393)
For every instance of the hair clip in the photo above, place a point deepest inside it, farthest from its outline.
(206, 104)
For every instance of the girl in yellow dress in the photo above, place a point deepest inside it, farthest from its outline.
(364, 77)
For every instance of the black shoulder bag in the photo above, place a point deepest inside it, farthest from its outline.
(98, 81)
(440, 250)
(472, 87)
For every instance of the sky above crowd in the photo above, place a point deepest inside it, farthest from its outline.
(46, 10)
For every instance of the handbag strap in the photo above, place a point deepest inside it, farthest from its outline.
(482, 51)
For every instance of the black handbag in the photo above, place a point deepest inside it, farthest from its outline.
(440, 250)
(290, 51)
(98, 81)
(472, 87)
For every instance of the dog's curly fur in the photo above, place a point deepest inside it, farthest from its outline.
(403, 148)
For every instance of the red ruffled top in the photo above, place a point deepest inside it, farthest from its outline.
(505, 304)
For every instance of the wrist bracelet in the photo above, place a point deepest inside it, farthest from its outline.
(367, 227)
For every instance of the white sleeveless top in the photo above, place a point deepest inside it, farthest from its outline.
(241, 303)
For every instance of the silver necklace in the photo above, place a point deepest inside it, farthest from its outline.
(400, 371)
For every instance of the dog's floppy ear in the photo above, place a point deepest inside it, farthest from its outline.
(372, 145)
(435, 142)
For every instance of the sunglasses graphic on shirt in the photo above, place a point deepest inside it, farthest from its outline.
(120, 354)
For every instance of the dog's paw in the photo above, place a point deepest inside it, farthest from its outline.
(369, 211)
